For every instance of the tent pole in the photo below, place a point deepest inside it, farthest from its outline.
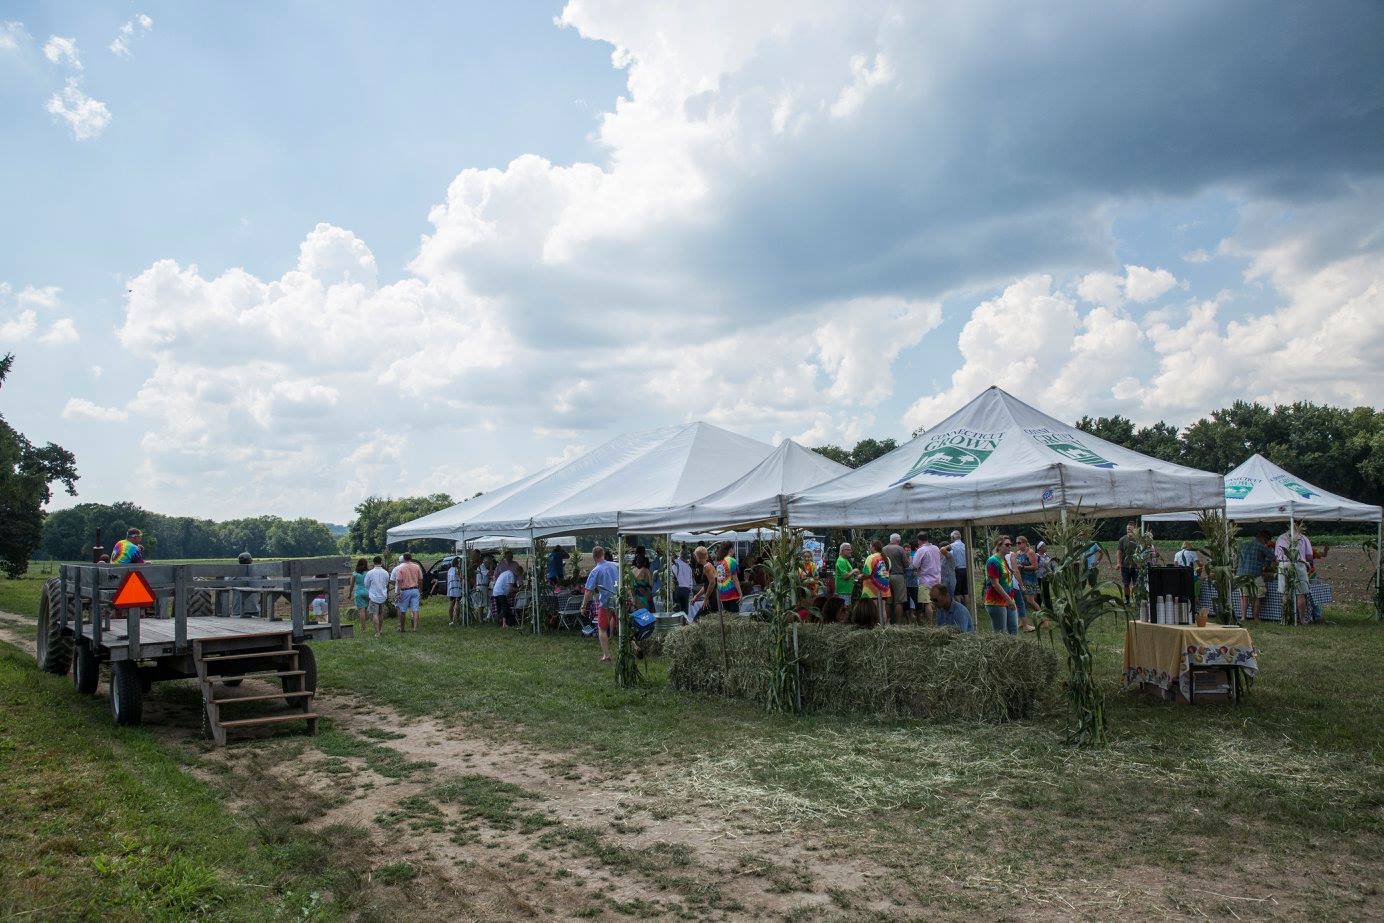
(971, 575)
(1378, 540)
(1292, 543)
(533, 581)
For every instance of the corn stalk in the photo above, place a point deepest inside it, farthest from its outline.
(538, 558)
(1291, 586)
(785, 582)
(1075, 608)
(1220, 535)
(627, 672)
(1376, 591)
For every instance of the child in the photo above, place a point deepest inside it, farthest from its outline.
(319, 607)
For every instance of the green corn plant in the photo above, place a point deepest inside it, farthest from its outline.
(1076, 606)
(627, 671)
(537, 558)
(785, 690)
(1376, 592)
(1291, 586)
(1220, 535)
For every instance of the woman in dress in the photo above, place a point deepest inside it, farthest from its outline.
(642, 587)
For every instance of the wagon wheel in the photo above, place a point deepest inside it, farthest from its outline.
(127, 697)
(54, 645)
(86, 669)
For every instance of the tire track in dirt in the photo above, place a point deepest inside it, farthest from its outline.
(589, 843)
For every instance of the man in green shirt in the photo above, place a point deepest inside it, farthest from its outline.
(845, 574)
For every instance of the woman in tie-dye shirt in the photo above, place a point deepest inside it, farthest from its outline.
(728, 580)
(876, 583)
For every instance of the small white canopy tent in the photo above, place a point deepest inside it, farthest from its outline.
(999, 460)
(1259, 491)
(446, 524)
(752, 499)
(668, 466)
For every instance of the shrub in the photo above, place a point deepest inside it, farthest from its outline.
(890, 672)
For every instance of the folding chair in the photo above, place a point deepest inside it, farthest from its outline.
(569, 612)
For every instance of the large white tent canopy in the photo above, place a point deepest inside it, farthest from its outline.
(752, 499)
(999, 460)
(669, 466)
(1258, 491)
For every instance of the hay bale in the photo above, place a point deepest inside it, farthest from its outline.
(891, 672)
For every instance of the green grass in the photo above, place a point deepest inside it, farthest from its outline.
(105, 822)
(1295, 770)
(1282, 795)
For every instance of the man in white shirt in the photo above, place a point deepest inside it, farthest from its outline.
(1297, 563)
(958, 556)
(377, 586)
(682, 584)
(505, 586)
(1186, 556)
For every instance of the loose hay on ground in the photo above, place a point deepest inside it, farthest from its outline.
(891, 672)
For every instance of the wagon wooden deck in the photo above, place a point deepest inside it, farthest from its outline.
(215, 622)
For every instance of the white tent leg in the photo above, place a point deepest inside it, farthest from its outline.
(668, 573)
(1292, 543)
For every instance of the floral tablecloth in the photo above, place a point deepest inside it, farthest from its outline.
(1163, 654)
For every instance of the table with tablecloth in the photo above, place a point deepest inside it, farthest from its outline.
(1164, 655)
(1271, 604)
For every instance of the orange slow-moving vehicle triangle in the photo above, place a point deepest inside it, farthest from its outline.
(133, 593)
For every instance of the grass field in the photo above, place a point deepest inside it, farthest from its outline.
(1271, 808)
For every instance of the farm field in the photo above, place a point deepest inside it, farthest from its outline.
(489, 774)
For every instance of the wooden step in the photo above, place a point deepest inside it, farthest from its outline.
(272, 719)
(219, 658)
(262, 698)
(256, 675)
(258, 634)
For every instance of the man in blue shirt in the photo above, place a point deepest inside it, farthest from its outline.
(557, 559)
(601, 583)
(1256, 560)
(950, 613)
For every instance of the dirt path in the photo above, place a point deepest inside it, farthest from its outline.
(464, 825)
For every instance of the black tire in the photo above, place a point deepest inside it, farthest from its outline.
(307, 662)
(86, 669)
(127, 696)
(54, 653)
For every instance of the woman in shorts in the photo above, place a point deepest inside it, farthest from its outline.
(360, 596)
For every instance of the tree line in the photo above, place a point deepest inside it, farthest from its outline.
(68, 534)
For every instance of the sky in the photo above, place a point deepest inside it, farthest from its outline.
(275, 258)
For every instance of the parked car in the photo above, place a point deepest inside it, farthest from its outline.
(435, 576)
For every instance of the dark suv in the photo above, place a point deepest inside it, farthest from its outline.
(435, 577)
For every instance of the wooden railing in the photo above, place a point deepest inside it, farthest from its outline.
(93, 586)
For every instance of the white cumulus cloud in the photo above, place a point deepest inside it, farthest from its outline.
(13, 35)
(61, 331)
(62, 51)
(120, 46)
(86, 117)
(79, 408)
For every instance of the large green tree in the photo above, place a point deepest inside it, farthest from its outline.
(26, 471)
(376, 515)
(864, 452)
(300, 538)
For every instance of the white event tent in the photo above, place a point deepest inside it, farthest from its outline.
(753, 499)
(999, 460)
(1257, 490)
